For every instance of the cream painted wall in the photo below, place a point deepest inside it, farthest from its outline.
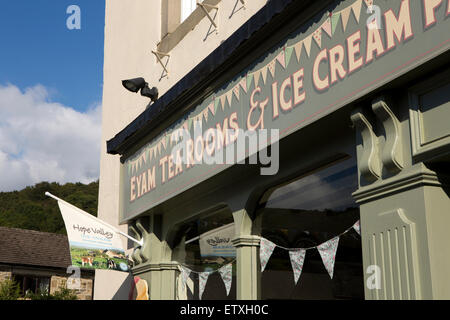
(132, 31)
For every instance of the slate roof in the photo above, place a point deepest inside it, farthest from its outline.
(33, 248)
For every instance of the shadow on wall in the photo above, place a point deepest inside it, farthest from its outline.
(124, 290)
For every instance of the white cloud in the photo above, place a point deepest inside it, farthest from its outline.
(45, 141)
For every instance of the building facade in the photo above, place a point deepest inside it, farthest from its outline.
(279, 125)
(40, 261)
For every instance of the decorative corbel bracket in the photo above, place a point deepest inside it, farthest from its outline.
(368, 162)
(159, 56)
(392, 154)
(204, 7)
(137, 250)
(144, 252)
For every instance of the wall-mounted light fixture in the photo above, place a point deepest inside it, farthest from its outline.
(136, 84)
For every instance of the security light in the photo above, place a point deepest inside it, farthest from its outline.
(134, 85)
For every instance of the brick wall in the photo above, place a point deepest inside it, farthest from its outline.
(83, 293)
(5, 273)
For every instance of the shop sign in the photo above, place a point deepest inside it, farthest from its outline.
(336, 58)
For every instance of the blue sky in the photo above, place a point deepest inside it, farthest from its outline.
(50, 92)
(38, 48)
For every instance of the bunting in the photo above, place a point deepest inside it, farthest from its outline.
(298, 49)
(326, 26)
(345, 15)
(266, 248)
(226, 273)
(327, 251)
(185, 273)
(287, 55)
(307, 43)
(356, 8)
(357, 227)
(334, 21)
(329, 26)
(317, 35)
(297, 259)
(202, 279)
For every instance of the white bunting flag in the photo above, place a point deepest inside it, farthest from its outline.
(356, 7)
(297, 260)
(185, 273)
(266, 248)
(226, 272)
(327, 251)
(202, 278)
(345, 14)
(357, 227)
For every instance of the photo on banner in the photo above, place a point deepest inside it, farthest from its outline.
(92, 244)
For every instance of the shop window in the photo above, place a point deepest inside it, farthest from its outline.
(32, 284)
(205, 246)
(304, 214)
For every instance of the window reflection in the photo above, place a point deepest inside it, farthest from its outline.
(205, 246)
(305, 213)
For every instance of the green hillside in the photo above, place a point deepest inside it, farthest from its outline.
(31, 209)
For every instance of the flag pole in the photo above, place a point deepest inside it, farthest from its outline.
(140, 242)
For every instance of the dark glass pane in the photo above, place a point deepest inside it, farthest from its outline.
(306, 213)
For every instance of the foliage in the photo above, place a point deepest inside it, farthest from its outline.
(9, 290)
(31, 209)
(61, 294)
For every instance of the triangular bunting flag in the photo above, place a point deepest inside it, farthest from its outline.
(298, 49)
(202, 278)
(368, 3)
(297, 260)
(236, 91)
(327, 251)
(129, 169)
(185, 127)
(163, 141)
(288, 55)
(345, 15)
(205, 114)
(266, 248)
(271, 67)
(281, 59)
(159, 147)
(243, 84)
(357, 227)
(264, 73)
(326, 26)
(334, 21)
(317, 35)
(249, 80)
(216, 104)
(229, 95)
(185, 273)
(356, 7)
(222, 101)
(257, 75)
(226, 272)
(211, 108)
(307, 42)
(190, 123)
(150, 154)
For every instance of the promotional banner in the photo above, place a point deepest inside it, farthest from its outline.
(217, 242)
(93, 245)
